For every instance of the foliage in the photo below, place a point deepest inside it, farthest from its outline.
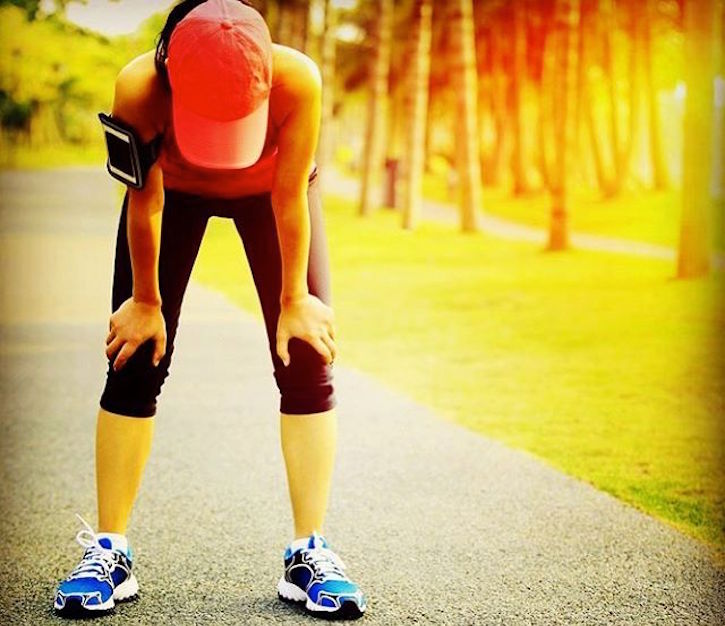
(32, 7)
(54, 76)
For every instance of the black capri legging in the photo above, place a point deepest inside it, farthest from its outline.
(306, 384)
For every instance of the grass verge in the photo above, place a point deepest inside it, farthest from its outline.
(602, 365)
(647, 216)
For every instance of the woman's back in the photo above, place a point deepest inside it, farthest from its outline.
(154, 102)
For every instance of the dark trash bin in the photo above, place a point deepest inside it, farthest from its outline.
(390, 197)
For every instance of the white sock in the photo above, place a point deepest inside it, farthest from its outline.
(118, 541)
(299, 543)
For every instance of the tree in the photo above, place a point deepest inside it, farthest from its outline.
(621, 143)
(518, 82)
(463, 69)
(588, 32)
(325, 147)
(417, 110)
(566, 26)
(33, 7)
(292, 22)
(544, 69)
(375, 135)
(694, 250)
(492, 103)
(720, 223)
(660, 176)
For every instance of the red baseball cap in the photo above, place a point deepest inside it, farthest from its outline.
(220, 71)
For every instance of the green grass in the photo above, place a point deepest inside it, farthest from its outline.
(602, 365)
(648, 216)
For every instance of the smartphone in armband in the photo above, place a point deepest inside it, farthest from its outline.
(129, 160)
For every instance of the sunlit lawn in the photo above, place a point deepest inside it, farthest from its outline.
(652, 217)
(600, 364)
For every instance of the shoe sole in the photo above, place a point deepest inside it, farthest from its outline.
(73, 607)
(291, 593)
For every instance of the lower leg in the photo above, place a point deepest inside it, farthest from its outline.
(122, 448)
(308, 444)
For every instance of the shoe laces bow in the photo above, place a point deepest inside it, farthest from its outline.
(97, 561)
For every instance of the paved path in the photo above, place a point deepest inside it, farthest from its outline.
(438, 524)
(506, 229)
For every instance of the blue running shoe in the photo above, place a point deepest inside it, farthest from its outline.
(102, 578)
(315, 575)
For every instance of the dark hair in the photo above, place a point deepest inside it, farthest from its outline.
(178, 13)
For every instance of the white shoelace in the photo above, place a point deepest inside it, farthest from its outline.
(326, 563)
(97, 561)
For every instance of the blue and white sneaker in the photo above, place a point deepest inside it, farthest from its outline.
(315, 575)
(102, 578)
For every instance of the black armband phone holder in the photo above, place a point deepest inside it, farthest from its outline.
(129, 160)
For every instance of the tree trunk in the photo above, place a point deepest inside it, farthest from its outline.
(545, 109)
(660, 176)
(376, 135)
(292, 24)
(417, 110)
(326, 146)
(720, 221)
(465, 84)
(270, 12)
(300, 20)
(312, 43)
(284, 25)
(694, 246)
(587, 15)
(44, 129)
(608, 14)
(595, 140)
(498, 109)
(567, 15)
(585, 116)
(518, 83)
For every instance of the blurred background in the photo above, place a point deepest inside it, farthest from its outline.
(524, 204)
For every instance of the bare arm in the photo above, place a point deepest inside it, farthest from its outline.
(139, 318)
(144, 235)
(302, 314)
(297, 142)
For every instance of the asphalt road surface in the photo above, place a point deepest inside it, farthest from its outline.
(437, 524)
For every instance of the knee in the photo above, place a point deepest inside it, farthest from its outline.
(306, 385)
(133, 390)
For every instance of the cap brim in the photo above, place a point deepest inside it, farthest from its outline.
(224, 145)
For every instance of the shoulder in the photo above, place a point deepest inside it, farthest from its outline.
(296, 83)
(139, 96)
(294, 72)
(289, 64)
